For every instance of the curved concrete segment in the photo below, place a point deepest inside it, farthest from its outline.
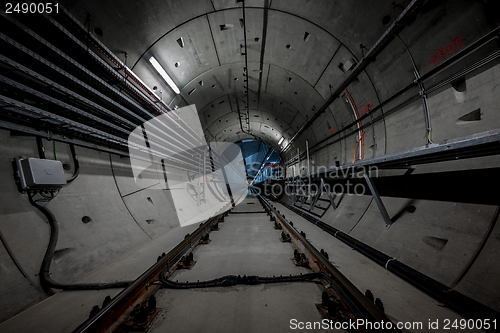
(246, 71)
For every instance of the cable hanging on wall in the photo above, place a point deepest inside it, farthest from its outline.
(48, 195)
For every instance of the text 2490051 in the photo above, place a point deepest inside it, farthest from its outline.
(31, 8)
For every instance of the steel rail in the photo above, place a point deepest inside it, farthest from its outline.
(452, 299)
(355, 301)
(108, 318)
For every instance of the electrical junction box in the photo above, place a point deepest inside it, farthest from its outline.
(40, 174)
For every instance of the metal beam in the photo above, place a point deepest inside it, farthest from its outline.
(323, 186)
(378, 201)
(44, 134)
(476, 145)
(465, 186)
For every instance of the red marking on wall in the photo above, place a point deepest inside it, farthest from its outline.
(445, 51)
(331, 131)
(366, 108)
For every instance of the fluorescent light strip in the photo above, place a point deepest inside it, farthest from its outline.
(164, 74)
(281, 140)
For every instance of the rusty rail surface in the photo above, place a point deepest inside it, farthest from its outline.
(355, 301)
(114, 314)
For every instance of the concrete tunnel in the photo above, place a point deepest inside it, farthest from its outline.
(367, 131)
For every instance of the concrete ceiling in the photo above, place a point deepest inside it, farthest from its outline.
(295, 50)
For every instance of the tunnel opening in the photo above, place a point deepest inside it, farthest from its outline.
(262, 162)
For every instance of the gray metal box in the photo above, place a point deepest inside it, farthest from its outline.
(40, 174)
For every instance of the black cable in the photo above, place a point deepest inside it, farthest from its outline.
(233, 280)
(45, 280)
(76, 164)
(41, 149)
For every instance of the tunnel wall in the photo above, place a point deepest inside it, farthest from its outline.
(454, 243)
(122, 217)
(440, 239)
(450, 242)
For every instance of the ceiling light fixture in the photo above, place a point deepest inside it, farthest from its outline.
(281, 140)
(164, 74)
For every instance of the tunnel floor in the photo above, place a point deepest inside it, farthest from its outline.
(246, 244)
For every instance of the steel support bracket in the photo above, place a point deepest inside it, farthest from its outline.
(378, 201)
(323, 186)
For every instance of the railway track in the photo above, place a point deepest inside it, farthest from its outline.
(346, 302)
(116, 314)
(355, 304)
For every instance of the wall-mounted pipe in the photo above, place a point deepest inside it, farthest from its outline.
(493, 35)
(360, 142)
